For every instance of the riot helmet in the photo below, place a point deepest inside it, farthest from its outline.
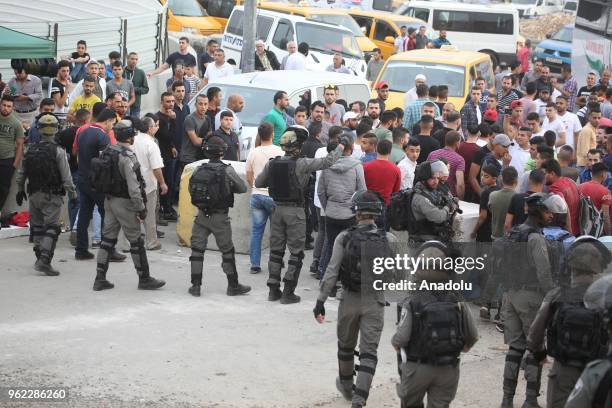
(366, 202)
(47, 124)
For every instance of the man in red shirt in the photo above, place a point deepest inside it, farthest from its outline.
(382, 176)
(97, 108)
(567, 189)
(468, 150)
(598, 193)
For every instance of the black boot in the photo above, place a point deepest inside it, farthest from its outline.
(234, 288)
(194, 290)
(150, 283)
(345, 389)
(531, 402)
(275, 293)
(101, 283)
(45, 267)
(288, 296)
(507, 401)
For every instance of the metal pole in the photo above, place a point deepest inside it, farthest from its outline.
(55, 34)
(247, 60)
(125, 24)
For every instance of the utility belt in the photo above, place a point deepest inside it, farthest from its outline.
(55, 190)
(439, 362)
(215, 211)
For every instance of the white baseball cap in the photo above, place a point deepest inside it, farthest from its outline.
(349, 115)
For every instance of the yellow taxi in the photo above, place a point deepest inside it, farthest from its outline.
(188, 16)
(325, 15)
(382, 27)
(446, 66)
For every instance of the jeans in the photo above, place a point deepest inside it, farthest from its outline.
(88, 200)
(333, 227)
(6, 177)
(311, 213)
(261, 208)
(165, 201)
(135, 112)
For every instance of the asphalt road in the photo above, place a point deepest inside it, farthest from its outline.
(130, 348)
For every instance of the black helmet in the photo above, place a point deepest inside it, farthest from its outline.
(293, 138)
(124, 130)
(589, 254)
(366, 202)
(214, 146)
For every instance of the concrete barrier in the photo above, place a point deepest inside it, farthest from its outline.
(240, 214)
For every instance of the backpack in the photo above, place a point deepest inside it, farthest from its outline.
(284, 185)
(509, 259)
(559, 241)
(209, 187)
(437, 329)
(361, 245)
(575, 333)
(40, 167)
(590, 218)
(399, 214)
(104, 174)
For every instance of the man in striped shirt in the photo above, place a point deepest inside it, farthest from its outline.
(506, 95)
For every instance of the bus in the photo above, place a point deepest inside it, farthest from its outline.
(592, 42)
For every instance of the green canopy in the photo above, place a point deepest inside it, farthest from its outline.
(14, 44)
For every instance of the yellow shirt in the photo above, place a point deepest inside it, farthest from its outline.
(82, 102)
(587, 140)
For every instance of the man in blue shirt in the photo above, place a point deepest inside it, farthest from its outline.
(441, 40)
(594, 156)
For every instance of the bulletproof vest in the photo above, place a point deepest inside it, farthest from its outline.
(209, 187)
(361, 245)
(399, 213)
(575, 335)
(41, 169)
(444, 231)
(511, 260)
(284, 186)
(105, 176)
(437, 336)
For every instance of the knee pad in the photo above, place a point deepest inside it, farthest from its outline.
(108, 244)
(196, 249)
(277, 256)
(53, 231)
(229, 256)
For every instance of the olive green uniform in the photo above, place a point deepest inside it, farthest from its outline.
(586, 387)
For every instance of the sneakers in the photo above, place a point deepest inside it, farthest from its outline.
(239, 289)
(83, 256)
(275, 294)
(499, 327)
(346, 393)
(160, 234)
(150, 283)
(102, 285)
(194, 290)
(255, 270)
(485, 313)
(45, 268)
(95, 244)
(73, 238)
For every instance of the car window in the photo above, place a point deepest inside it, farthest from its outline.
(490, 23)
(400, 76)
(283, 34)
(483, 70)
(416, 12)
(234, 26)
(452, 20)
(364, 22)
(263, 27)
(350, 93)
(383, 30)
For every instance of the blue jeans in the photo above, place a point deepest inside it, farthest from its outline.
(88, 200)
(261, 208)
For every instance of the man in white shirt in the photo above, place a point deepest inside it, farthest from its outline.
(294, 60)
(402, 40)
(520, 152)
(408, 164)
(100, 83)
(552, 122)
(262, 204)
(235, 104)
(219, 69)
(411, 95)
(542, 101)
(571, 123)
(151, 164)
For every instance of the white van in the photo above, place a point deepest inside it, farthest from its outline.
(258, 89)
(534, 8)
(277, 29)
(489, 28)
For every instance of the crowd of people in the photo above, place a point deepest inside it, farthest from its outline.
(533, 156)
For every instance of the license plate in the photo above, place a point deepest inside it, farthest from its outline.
(554, 60)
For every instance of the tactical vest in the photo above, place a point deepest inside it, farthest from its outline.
(209, 187)
(361, 245)
(437, 336)
(41, 169)
(284, 186)
(444, 231)
(105, 176)
(511, 258)
(575, 335)
(558, 242)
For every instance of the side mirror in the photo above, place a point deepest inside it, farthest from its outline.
(389, 39)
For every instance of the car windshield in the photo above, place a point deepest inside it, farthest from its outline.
(328, 40)
(564, 34)
(400, 76)
(344, 21)
(186, 8)
(255, 107)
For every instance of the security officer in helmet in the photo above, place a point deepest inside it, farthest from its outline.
(432, 210)
(124, 206)
(527, 271)
(435, 327)
(361, 310)
(286, 178)
(575, 336)
(45, 167)
(212, 188)
(594, 387)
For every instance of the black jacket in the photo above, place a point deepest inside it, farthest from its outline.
(271, 57)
